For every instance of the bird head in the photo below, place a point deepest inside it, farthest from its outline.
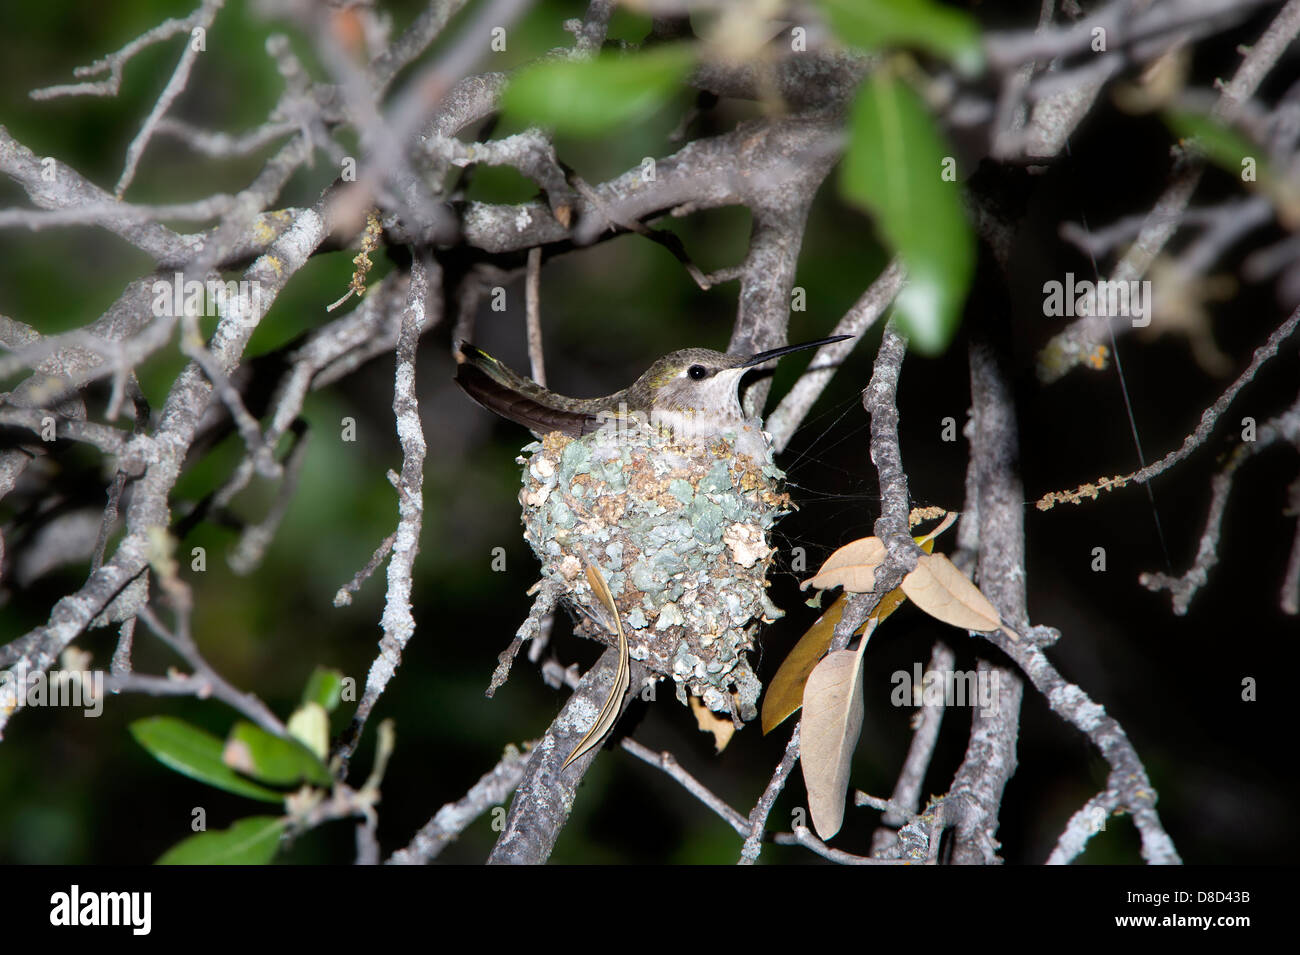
(697, 383)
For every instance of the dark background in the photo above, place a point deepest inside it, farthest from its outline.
(79, 790)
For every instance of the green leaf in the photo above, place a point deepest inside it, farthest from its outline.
(311, 725)
(272, 759)
(587, 97)
(893, 169)
(1225, 146)
(323, 687)
(938, 29)
(1240, 158)
(195, 753)
(251, 841)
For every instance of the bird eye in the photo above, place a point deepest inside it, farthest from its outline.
(697, 372)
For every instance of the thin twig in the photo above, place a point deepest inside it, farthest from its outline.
(906, 798)
(115, 62)
(1285, 426)
(397, 622)
(256, 538)
(204, 681)
(344, 595)
(668, 763)
(492, 789)
(794, 407)
(548, 592)
(763, 808)
(1290, 591)
(1079, 343)
(806, 839)
(175, 86)
(1083, 825)
(163, 456)
(532, 300)
(1212, 414)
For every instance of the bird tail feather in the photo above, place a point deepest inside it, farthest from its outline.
(502, 391)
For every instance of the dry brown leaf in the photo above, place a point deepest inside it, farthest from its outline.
(832, 722)
(608, 714)
(784, 693)
(708, 721)
(947, 522)
(945, 593)
(1161, 80)
(853, 567)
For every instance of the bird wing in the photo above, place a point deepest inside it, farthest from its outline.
(501, 391)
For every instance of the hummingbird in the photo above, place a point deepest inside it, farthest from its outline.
(692, 392)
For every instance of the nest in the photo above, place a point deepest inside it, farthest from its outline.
(681, 534)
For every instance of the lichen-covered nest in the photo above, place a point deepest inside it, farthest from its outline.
(681, 534)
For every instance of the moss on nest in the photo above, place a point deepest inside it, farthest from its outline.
(681, 533)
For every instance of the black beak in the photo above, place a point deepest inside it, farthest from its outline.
(787, 349)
